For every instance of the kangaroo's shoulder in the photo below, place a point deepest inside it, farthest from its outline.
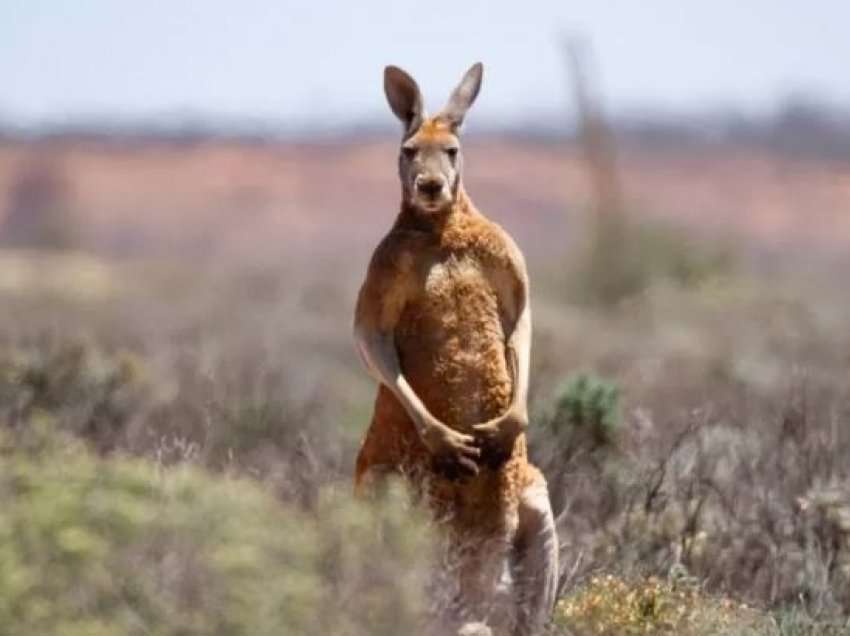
(485, 238)
(397, 251)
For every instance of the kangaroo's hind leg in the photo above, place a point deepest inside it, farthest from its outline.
(535, 559)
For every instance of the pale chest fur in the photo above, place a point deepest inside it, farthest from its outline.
(462, 303)
(451, 337)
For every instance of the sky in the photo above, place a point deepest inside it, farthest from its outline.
(319, 63)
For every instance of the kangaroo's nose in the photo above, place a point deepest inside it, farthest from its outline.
(429, 186)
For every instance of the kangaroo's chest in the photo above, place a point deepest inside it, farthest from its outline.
(451, 342)
(455, 298)
(453, 279)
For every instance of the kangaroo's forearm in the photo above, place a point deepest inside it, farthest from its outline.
(519, 357)
(379, 354)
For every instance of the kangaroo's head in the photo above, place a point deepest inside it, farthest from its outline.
(429, 162)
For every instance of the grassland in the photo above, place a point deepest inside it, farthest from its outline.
(179, 435)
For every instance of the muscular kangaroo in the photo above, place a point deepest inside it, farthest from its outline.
(443, 323)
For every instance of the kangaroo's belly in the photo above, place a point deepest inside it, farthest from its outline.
(451, 345)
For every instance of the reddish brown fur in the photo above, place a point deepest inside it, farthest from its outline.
(435, 130)
(450, 339)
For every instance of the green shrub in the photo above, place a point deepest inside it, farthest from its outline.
(95, 547)
(587, 409)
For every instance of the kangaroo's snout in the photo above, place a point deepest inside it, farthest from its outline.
(429, 186)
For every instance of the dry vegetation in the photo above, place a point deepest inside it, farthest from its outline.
(695, 433)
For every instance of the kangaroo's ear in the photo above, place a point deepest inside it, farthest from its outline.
(464, 95)
(404, 97)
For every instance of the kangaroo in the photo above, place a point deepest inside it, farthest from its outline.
(443, 323)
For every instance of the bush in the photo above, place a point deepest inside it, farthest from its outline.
(97, 393)
(95, 547)
(611, 606)
(170, 410)
(587, 409)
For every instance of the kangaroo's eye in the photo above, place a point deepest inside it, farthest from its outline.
(451, 152)
(408, 152)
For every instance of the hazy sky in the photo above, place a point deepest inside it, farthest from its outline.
(320, 61)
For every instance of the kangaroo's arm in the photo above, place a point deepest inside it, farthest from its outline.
(514, 297)
(379, 307)
(519, 352)
(510, 280)
(378, 353)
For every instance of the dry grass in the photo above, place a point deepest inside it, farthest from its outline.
(727, 466)
(611, 606)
